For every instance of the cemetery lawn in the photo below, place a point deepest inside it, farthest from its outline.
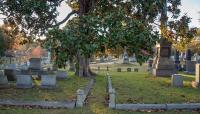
(96, 104)
(65, 90)
(144, 88)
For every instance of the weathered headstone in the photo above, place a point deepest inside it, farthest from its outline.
(48, 81)
(61, 75)
(35, 64)
(24, 81)
(176, 80)
(149, 64)
(107, 68)
(125, 57)
(190, 67)
(11, 74)
(119, 69)
(136, 69)
(128, 69)
(3, 80)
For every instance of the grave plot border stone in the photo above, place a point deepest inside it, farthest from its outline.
(146, 107)
(39, 104)
(82, 94)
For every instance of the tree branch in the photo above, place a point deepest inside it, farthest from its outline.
(66, 18)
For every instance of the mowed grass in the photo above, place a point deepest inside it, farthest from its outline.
(144, 88)
(96, 104)
(65, 90)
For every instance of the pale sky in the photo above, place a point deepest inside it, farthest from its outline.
(191, 7)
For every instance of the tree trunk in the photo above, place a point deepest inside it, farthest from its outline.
(71, 64)
(82, 66)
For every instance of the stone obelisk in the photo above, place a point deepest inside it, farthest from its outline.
(163, 65)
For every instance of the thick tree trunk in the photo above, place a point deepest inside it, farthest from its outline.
(82, 66)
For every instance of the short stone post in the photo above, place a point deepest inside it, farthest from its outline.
(112, 98)
(80, 98)
(98, 68)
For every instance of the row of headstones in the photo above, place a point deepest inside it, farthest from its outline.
(25, 81)
(120, 69)
(177, 80)
(128, 70)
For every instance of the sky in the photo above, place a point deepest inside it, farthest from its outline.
(189, 7)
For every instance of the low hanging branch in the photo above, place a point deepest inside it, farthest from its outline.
(66, 18)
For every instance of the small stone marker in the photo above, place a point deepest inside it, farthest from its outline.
(98, 68)
(61, 75)
(48, 81)
(3, 80)
(119, 69)
(24, 81)
(128, 69)
(136, 70)
(176, 80)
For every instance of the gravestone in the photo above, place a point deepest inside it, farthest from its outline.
(190, 65)
(48, 81)
(176, 80)
(3, 80)
(149, 64)
(61, 75)
(24, 81)
(136, 69)
(35, 64)
(125, 57)
(119, 69)
(128, 69)
(11, 74)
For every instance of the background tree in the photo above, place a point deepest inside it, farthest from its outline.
(101, 24)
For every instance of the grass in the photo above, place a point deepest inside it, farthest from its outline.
(137, 86)
(65, 90)
(96, 104)
(143, 88)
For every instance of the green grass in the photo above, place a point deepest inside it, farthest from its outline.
(143, 88)
(65, 90)
(130, 87)
(96, 104)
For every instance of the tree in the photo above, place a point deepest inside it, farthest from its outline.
(101, 24)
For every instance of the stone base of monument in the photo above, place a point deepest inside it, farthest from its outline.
(24, 81)
(61, 75)
(48, 81)
(163, 67)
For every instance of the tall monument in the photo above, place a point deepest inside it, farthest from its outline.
(163, 65)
